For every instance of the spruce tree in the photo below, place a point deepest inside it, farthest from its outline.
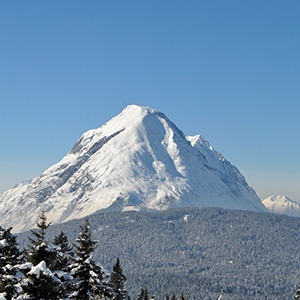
(181, 297)
(61, 240)
(64, 257)
(9, 251)
(143, 294)
(117, 281)
(10, 257)
(88, 276)
(39, 249)
(64, 251)
(41, 283)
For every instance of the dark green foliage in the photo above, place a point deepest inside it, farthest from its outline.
(39, 249)
(42, 226)
(64, 256)
(143, 294)
(117, 281)
(10, 256)
(7, 286)
(61, 240)
(42, 285)
(9, 253)
(88, 276)
(64, 252)
(85, 246)
(251, 256)
(181, 297)
(173, 297)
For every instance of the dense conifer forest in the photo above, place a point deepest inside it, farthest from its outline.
(185, 253)
(45, 270)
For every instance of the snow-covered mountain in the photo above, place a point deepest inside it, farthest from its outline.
(282, 205)
(137, 160)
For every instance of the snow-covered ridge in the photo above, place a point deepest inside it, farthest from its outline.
(202, 144)
(282, 205)
(137, 160)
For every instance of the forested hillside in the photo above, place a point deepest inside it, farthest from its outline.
(198, 252)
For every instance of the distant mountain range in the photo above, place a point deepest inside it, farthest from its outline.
(282, 205)
(139, 160)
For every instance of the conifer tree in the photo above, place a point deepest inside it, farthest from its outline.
(42, 283)
(10, 256)
(39, 249)
(61, 240)
(117, 281)
(64, 251)
(88, 276)
(181, 297)
(64, 257)
(143, 295)
(10, 253)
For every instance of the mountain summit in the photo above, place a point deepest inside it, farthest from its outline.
(137, 160)
(282, 205)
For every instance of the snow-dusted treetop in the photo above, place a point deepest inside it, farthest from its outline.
(137, 160)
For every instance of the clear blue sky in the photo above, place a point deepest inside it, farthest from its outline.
(229, 70)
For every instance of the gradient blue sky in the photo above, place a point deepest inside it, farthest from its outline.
(228, 70)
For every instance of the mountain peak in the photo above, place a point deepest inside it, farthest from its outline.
(138, 109)
(137, 160)
(280, 204)
(280, 198)
(133, 111)
(203, 145)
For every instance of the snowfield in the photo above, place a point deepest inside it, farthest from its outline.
(282, 205)
(137, 160)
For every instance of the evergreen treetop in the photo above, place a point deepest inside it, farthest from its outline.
(117, 281)
(10, 257)
(88, 276)
(9, 252)
(39, 249)
(61, 240)
(64, 252)
(42, 226)
(85, 245)
(143, 294)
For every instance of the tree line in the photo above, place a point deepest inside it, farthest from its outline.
(55, 270)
